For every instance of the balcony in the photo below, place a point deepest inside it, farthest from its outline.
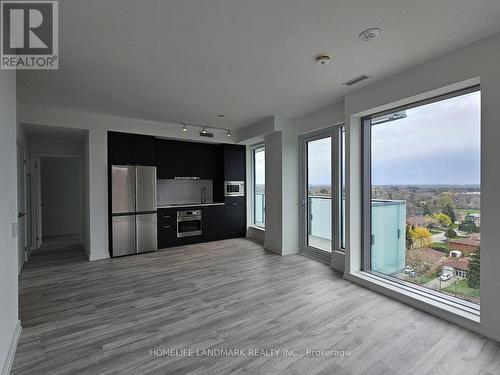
(260, 210)
(320, 225)
(388, 232)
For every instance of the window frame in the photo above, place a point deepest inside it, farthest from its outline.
(335, 132)
(366, 189)
(253, 149)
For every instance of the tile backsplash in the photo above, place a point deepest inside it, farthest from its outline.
(183, 191)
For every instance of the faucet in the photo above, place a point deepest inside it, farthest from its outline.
(203, 194)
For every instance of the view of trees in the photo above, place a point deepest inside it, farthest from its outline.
(422, 237)
(468, 226)
(450, 233)
(473, 278)
(437, 214)
(427, 200)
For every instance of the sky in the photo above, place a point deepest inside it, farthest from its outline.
(319, 161)
(438, 143)
(260, 167)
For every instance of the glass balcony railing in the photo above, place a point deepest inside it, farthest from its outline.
(388, 237)
(320, 224)
(260, 209)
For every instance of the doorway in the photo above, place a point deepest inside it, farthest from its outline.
(61, 200)
(321, 190)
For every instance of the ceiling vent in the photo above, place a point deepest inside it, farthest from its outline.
(355, 80)
(206, 134)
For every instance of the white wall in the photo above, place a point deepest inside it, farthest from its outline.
(319, 119)
(55, 146)
(62, 196)
(97, 126)
(274, 206)
(8, 215)
(86, 196)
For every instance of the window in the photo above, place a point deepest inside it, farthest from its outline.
(422, 195)
(259, 184)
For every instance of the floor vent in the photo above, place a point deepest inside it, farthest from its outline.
(355, 80)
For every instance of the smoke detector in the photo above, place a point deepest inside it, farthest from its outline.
(322, 59)
(370, 34)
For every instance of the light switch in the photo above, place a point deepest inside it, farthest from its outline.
(14, 230)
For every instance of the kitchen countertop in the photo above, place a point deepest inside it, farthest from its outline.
(181, 205)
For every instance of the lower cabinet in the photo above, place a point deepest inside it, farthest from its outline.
(167, 228)
(235, 217)
(213, 222)
(218, 222)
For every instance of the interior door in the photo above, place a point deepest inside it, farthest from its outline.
(38, 203)
(320, 182)
(21, 206)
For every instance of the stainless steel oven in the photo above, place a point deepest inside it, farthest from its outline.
(189, 223)
(234, 188)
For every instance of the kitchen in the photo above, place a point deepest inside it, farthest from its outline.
(165, 193)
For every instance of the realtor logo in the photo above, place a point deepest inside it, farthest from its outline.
(29, 35)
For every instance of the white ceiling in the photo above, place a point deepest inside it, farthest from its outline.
(189, 60)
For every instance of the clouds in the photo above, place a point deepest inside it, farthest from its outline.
(319, 164)
(438, 143)
(260, 166)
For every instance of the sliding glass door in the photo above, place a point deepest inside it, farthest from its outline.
(320, 193)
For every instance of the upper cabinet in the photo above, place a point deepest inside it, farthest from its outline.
(222, 162)
(234, 163)
(144, 150)
(130, 149)
(165, 158)
(188, 159)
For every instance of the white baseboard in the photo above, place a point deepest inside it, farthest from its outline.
(272, 249)
(9, 360)
(281, 252)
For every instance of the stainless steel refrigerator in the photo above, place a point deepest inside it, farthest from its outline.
(134, 211)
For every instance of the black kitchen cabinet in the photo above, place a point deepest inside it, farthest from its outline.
(167, 228)
(144, 150)
(213, 219)
(187, 159)
(130, 149)
(218, 222)
(235, 217)
(165, 158)
(120, 148)
(234, 163)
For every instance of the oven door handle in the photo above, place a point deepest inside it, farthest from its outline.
(191, 218)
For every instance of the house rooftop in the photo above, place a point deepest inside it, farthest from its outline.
(461, 264)
(471, 241)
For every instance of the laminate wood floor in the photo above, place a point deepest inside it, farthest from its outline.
(105, 317)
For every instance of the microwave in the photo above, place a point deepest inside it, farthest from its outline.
(234, 188)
